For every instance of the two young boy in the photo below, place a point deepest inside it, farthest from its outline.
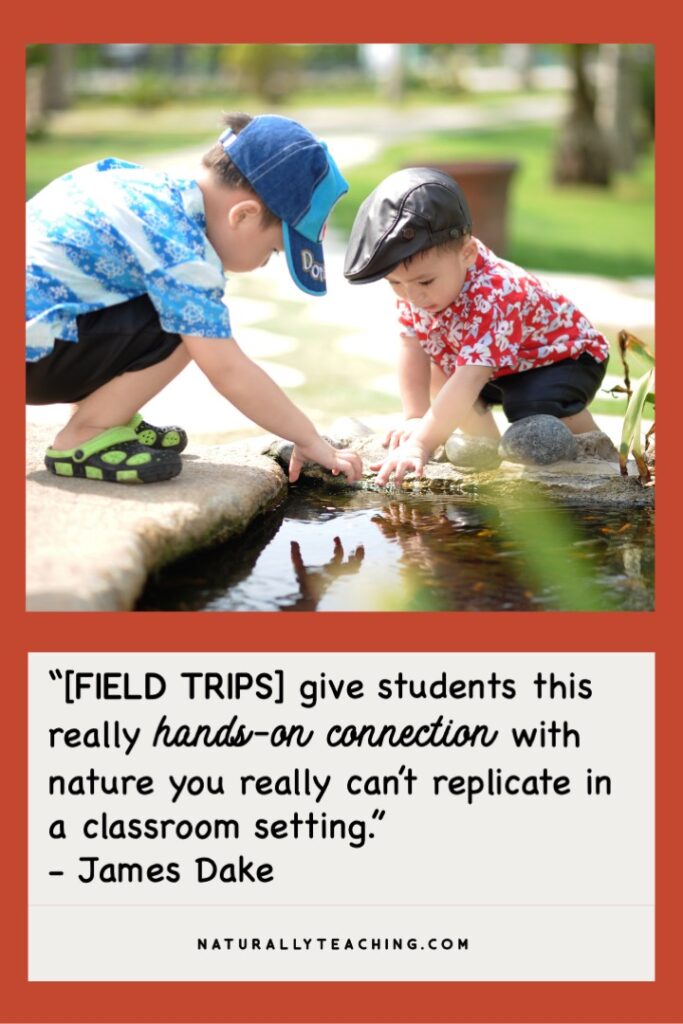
(125, 286)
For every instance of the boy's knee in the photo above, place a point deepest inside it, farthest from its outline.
(43, 387)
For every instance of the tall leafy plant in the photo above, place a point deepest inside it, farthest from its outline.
(632, 437)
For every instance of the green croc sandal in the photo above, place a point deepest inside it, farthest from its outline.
(168, 439)
(116, 456)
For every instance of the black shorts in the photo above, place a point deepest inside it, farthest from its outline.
(111, 341)
(560, 389)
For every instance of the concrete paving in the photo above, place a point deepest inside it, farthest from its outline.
(91, 545)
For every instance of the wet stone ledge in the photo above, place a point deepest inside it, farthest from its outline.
(593, 477)
(91, 546)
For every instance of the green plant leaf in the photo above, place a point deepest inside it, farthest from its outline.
(632, 428)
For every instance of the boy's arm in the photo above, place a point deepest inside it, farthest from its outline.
(449, 409)
(255, 394)
(413, 377)
(414, 370)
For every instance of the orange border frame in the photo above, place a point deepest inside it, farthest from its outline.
(659, 1001)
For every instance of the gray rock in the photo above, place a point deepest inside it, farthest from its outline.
(538, 441)
(595, 446)
(281, 451)
(472, 452)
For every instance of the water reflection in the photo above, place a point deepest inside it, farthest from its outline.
(364, 551)
(315, 581)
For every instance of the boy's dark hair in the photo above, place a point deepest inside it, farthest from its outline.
(218, 161)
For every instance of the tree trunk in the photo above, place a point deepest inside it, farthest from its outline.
(58, 77)
(520, 57)
(35, 113)
(394, 84)
(618, 107)
(582, 153)
(179, 59)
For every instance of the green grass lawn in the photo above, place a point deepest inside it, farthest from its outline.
(47, 158)
(573, 229)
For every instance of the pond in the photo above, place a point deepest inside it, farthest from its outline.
(362, 551)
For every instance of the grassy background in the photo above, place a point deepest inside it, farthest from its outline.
(49, 157)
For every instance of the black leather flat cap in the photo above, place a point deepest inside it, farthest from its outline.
(411, 210)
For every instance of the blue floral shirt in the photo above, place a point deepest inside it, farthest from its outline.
(109, 232)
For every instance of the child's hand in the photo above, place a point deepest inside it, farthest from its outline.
(410, 457)
(400, 434)
(342, 460)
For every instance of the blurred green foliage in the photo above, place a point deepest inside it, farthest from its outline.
(36, 54)
(149, 90)
(548, 539)
(269, 69)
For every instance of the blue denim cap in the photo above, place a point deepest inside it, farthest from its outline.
(295, 176)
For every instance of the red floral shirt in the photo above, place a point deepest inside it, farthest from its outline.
(503, 317)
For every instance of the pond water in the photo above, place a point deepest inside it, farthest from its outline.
(363, 551)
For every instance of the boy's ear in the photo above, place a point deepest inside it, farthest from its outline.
(244, 210)
(469, 251)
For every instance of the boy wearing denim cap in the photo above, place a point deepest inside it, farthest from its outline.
(475, 329)
(125, 281)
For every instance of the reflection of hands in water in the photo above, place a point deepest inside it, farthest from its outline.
(315, 580)
(399, 521)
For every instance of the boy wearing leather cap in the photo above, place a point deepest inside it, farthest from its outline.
(125, 282)
(475, 329)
